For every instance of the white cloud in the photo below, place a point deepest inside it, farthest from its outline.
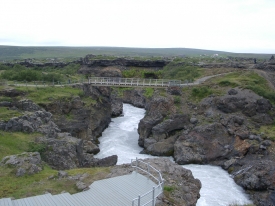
(231, 25)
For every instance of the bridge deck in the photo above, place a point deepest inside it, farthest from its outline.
(116, 191)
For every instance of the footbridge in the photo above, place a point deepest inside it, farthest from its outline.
(132, 82)
(140, 188)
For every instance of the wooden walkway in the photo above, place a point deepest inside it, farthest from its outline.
(116, 191)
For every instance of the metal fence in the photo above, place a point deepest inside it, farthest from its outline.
(150, 196)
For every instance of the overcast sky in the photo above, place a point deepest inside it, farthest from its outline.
(226, 25)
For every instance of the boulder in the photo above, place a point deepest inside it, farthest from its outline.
(107, 161)
(232, 92)
(257, 176)
(157, 109)
(203, 145)
(263, 105)
(90, 147)
(110, 71)
(247, 102)
(193, 120)
(160, 105)
(64, 152)
(231, 104)
(28, 105)
(38, 121)
(117, 107)
(26, 163)
(145, 127)
(62, 174)
(81, 186)
(164, 147)
(164, 129)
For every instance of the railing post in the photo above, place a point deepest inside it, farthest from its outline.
(138, 200)
(153, 200)
(136, 161)
(133, 203)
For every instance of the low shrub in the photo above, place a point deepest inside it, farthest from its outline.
(201, 92)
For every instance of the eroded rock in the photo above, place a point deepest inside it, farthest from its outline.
(26, 163)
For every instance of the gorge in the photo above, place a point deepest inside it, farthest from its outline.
(121, 138)
(226, 121)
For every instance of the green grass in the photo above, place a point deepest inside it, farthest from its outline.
(181, 71)
(168, 188)
(4, 98)
(42, 74)
(148, 92)
(177, 100)
(49, 94)
(198, 93)
(30, 185)
(248, 80)
(120, 90)
(268, 131)
(15, 142)
(6, 113)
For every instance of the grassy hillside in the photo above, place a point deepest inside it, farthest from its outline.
(15, 52)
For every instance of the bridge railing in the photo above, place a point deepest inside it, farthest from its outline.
(149, 198)
(133, 81)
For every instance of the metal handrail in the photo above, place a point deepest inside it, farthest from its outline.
(159, 179)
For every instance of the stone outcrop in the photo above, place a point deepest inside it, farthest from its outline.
(257, 177)
(116, 105)
(11, 93)
(220, 130)
(157, 109)
(267, 65)
(164, 135)
(67, 152)
(26, 163)
(134, 97)
(39, 121)
(110, 72)
(185, 188)
(91, 62)
(202, 145)
(83, 121)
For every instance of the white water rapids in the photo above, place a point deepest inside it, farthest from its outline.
(121, 137)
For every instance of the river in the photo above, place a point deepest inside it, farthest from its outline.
(121, 138)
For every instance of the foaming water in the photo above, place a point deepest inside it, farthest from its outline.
(121, 138)
(218, 188)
